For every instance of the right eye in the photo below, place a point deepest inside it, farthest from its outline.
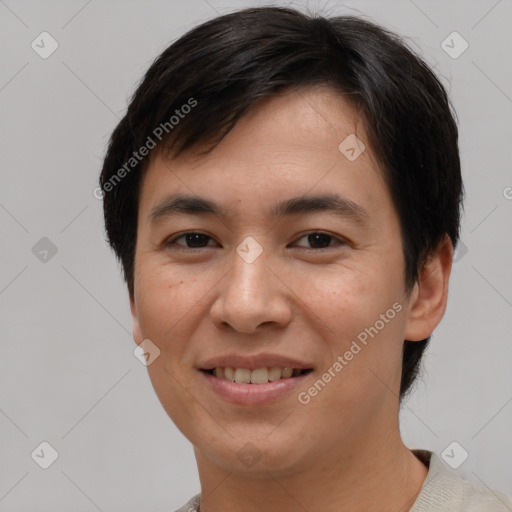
(195, 238)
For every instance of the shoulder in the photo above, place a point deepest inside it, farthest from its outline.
(444, 490)
(477, 497)
(192, 505)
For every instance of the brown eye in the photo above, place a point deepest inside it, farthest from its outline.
(320, 240)
(193, 240)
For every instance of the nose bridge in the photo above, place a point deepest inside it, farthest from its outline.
(248, 279)
(249, 294)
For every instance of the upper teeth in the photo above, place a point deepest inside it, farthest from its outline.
(257, 376)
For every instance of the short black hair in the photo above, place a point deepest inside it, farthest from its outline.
(202, 84)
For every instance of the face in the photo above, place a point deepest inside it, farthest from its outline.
(255, 278)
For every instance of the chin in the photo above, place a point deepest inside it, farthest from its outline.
(256, 455)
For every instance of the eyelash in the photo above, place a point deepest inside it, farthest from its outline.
(172, 242)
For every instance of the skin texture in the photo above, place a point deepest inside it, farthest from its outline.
(344, 446)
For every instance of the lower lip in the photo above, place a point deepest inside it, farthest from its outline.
(253, 394)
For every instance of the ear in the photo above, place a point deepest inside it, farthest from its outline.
(427, 303)
(137, 333)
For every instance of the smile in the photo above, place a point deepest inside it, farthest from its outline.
(243, 391)
(257, 376)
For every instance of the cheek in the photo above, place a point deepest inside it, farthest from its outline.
(362, 320)
(165, 298)
(166, 302)
(344, 299)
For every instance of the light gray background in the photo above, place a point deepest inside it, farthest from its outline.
(68, 375)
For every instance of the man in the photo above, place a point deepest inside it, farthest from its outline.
(284, 195)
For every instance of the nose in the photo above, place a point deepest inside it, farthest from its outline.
(251, 296)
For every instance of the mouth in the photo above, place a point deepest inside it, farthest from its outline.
(262, 375)
(256, 379)
(255, 387)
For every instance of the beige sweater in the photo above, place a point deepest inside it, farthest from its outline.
(444, 490)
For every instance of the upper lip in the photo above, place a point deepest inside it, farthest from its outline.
(253, 362)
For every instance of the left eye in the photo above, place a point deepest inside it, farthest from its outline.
(320, 238)
(197, 240)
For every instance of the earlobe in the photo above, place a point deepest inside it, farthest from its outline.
(428, 300)
(137, 333)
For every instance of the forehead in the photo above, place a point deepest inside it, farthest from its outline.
(292, 144)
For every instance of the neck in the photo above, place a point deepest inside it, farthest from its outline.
(360, 476)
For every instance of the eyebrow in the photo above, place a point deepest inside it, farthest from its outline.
(195, 205)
